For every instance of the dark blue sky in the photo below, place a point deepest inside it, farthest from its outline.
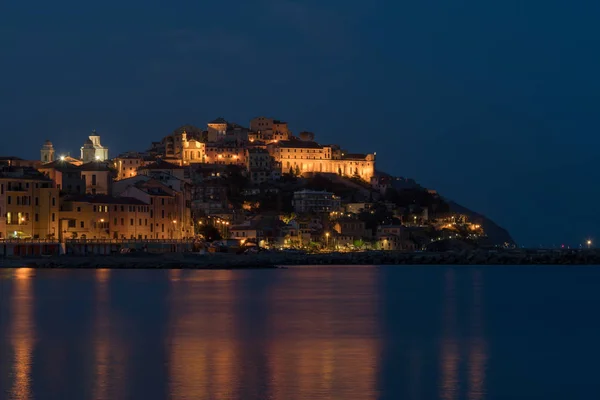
(494, 104)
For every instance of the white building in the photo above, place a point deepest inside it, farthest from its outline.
(92, 150)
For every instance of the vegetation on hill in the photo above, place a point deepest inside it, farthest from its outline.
(417, 198)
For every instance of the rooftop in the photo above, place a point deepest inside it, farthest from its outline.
(219, 120)
(161, 164)
(95, 166)
(7, 172)
(104, 199)
(299, 144)
(354, 156)
(11, 158)
(60, 165)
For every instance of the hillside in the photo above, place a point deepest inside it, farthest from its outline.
(496, 234)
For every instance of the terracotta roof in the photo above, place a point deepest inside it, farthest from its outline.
(104, 199)
(11, 158)
(22, 173)
(219, 120)
(299, 144)
(59, 165)
(354, 156)
(161, 164)
(95, 166)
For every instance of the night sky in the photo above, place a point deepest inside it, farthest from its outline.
(494, 104)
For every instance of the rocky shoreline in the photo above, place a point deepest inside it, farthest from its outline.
(277, 260)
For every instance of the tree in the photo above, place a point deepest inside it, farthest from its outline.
(359, 243)
(297, 170)
(287, 218)
(340, 171)
(291, 170)
(210, 233)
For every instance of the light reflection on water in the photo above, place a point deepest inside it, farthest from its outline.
(22, 332)
(302, 333)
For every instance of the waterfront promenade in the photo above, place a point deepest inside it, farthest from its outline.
(277, 259)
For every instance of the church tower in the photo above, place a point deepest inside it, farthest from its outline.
(47, 152)
(93, 150)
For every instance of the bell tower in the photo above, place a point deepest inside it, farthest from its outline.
(47, 152)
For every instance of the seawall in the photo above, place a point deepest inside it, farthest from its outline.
(274, 260)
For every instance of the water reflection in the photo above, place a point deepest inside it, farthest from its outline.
(478, 349)
(302, 333)
(108, 373)
(272, 335)
(324, 345)
(454, 344)
(450, 355)
(22, 332)
(200, 336)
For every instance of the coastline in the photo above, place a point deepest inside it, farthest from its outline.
(278, 260)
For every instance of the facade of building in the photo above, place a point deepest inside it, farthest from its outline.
(300, 156)
(170, 199)
(126, 165)
(66, 176)
(105, 217)
(312, 201)
(29, 204)
(47, 152)
(98, 177)
(269, 129)
(93, 150)
(261, 166)
(394, 237)
(221, 153)
(217, 130)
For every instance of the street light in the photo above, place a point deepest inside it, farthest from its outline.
(327, 238)
(589, 243)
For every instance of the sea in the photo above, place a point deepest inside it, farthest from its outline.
(306, 332)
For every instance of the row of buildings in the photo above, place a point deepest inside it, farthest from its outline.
(176, 186)
(266, 149)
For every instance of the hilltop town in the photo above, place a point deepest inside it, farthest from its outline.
(245, 187)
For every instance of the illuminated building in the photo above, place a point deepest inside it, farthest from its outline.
(97, 177)
(217, 129)
(28, 204)
(304, 156)
(126, 165)
(105, 217)
(66, 176)
(269, 129)
(92, 150)
(47, 152)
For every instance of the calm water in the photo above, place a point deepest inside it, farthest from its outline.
(303, 333)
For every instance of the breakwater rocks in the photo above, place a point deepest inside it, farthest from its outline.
(141, 261)
(276, 260)
(469, 257)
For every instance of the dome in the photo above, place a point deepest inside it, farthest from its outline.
(47, 143)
